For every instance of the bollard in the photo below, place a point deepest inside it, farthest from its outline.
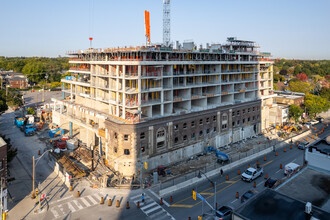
(315, 128)
(110, 202)
(161, 201)
(138, 204)
(237, 195)
(280, 166)
(275, 153)
(4, 214)
(39, 152)
(249, 166)
(266, 176)
(78, 194)
(239, 172)
(227, 177)
(265, 158)
(171, 199)
(254, 184)
(297, 143)
(257, 162)
(216, 206)
(199, 217)
(312, 136)
(284, 149)
(127, 205)
(117, 203)
(71, 188)
(291, 146)
(315, 135)
(102, 201)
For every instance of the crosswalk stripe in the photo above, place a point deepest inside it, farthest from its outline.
(77, 204)
(153, 216)
(92, 199)
(71, 207)
(147, 206)
(134, 197)
(153, 209)
(85, 202)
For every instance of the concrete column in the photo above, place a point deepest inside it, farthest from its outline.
(218, 121)
(63, 90)
(170, 134)
(124, 94)
(70, 128)
(139, 88)
(71, 90)
(230, 124)
(117, 91)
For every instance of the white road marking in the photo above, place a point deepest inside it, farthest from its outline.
(153, 209)
(293, 161)
(259, 183)
(85, 202)
(92, 199)
(55, 213)
(278, 171)
(77, 204)
(71, 207)
(137, 196)
(157, 196)
(61, 208)
(234, 201)
(61, 199)
(147, 206)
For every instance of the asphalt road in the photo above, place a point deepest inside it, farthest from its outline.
(185, 206)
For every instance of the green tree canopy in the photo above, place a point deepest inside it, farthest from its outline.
(295, 112)
(298, 86)
(316, 104)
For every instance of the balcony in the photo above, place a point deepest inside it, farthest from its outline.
(150, 102)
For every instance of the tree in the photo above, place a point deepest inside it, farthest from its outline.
(325, 93)
(30, 111)
(278, 77)
(283, 72)
(298, 86)
(302, 77)
(295, 112)
(316, 104)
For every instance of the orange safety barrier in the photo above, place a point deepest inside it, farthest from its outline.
(78, 194)
(117, 204)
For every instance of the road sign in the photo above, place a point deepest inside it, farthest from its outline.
(201, 197)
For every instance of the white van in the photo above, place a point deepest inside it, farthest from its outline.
(290, 168)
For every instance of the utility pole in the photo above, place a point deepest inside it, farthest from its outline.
(141, 184)
(1, 199)
(33, 176)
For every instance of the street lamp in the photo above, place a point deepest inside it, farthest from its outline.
(34, 165)
(213, 184)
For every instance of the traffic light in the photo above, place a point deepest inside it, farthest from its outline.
(194, 195)
(145, 165)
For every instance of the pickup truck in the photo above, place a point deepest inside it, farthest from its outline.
(252, 173)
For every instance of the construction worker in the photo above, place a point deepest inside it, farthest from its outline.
(221, 172)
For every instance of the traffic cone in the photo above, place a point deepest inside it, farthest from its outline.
(239, 172)
(117, 204)
(276, 153)
(227, 177)
(161, 201)
(171, 199)
(138, 204)
(284, 149)
(291, 146)
(266, 176)
(265, 158)
(110, 202)
(280, 166)
(102, 201)
(127, 205)
(39, 152)
(254, 184)
(237, 195)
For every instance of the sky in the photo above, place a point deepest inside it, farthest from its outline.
(297, 29)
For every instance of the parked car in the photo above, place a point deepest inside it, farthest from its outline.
(226, 213)
(303, 145)
(252, 173)
(314, 122)
(248, 195)
(320, 119)
(308, 125)
(270, 182)
(290, 168)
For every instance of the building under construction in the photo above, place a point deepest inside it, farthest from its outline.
(162, 105)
